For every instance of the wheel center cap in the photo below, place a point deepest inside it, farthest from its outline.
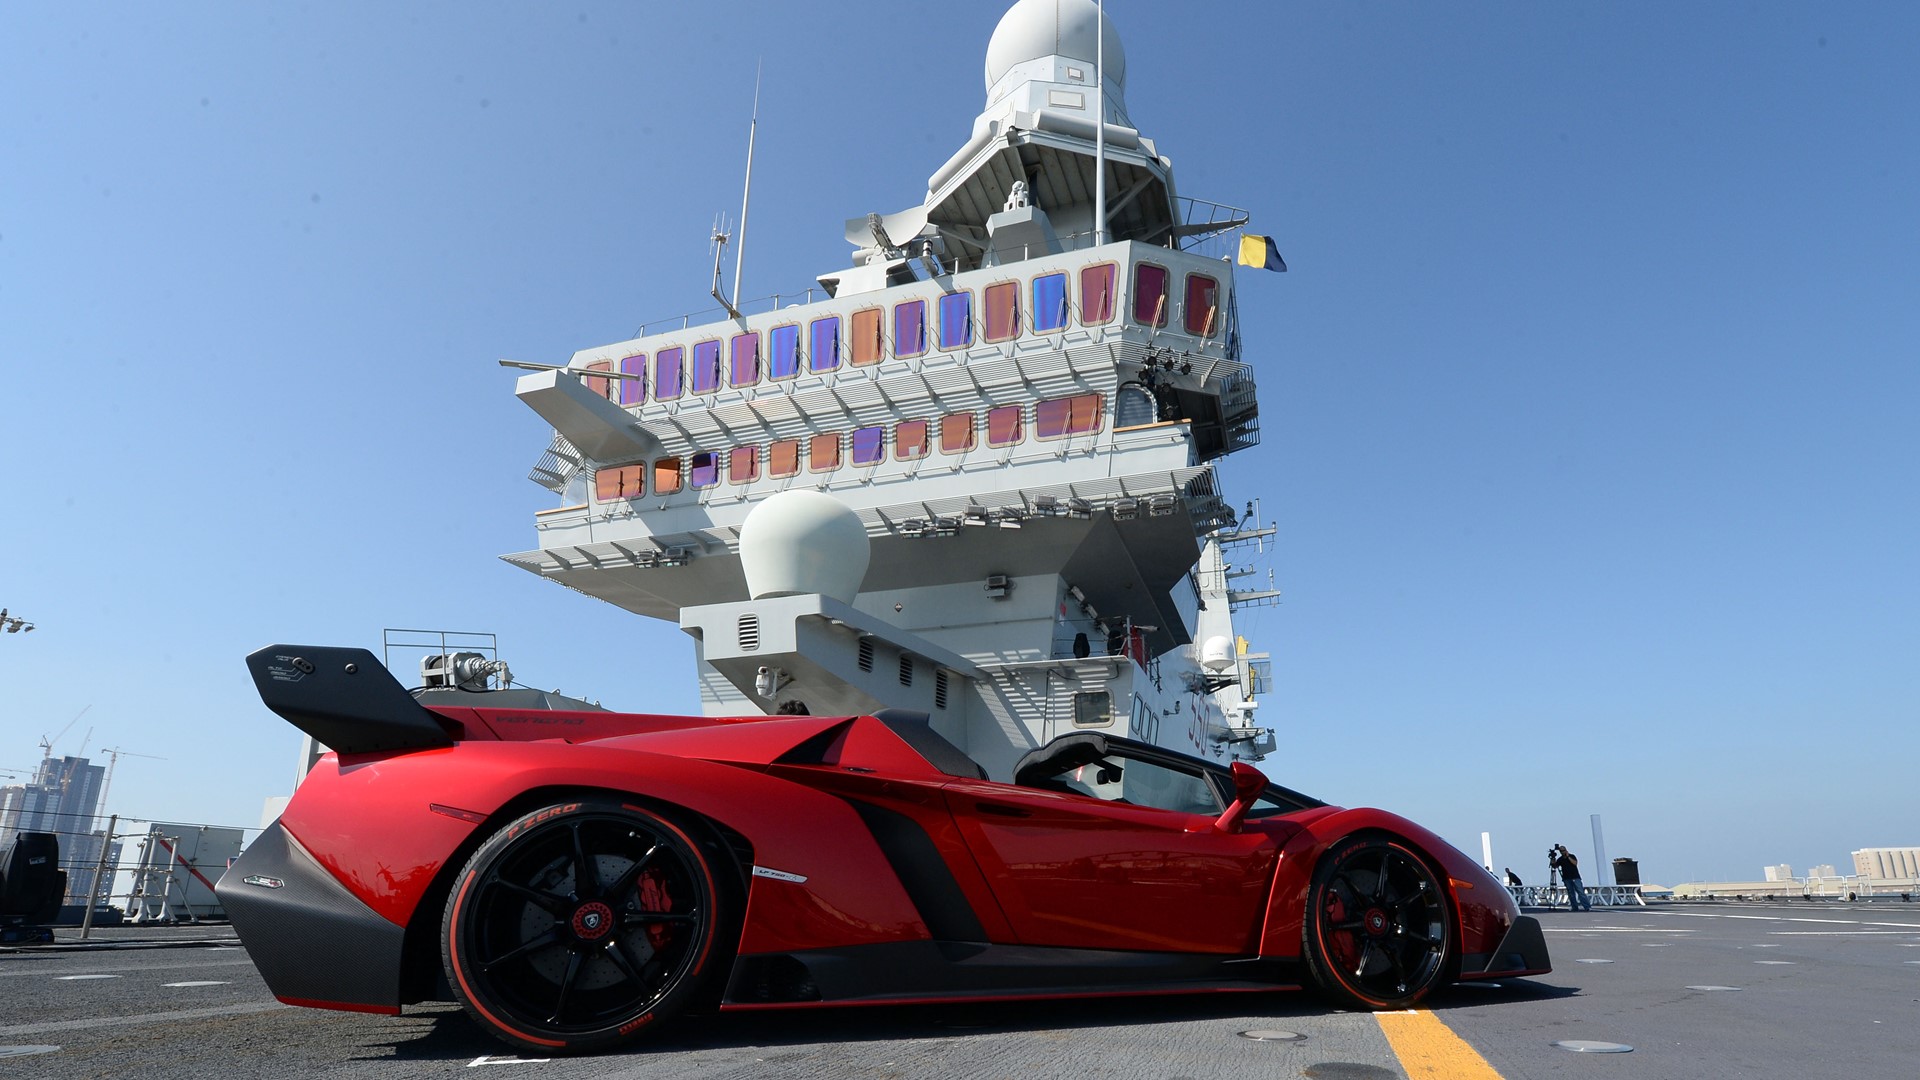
(592, 921)
(1376, 922)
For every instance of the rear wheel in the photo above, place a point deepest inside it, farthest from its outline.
(1379, 927)
(581, 924)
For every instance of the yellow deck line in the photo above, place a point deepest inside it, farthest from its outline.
(1428, 1048)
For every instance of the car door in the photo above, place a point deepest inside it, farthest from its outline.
(1096, 867)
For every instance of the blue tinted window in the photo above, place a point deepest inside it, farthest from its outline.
(706, 367)
(783, 352)
(823, 353)
(1050, 301)
(956, 320)
(633, 391)
(705, 471)
(869, 445)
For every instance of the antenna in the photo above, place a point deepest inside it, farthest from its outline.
(746, 193)
(719, 244)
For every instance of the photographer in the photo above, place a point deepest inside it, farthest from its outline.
(1559, 858)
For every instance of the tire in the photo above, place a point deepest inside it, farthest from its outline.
(1379, 928)
(548, 959)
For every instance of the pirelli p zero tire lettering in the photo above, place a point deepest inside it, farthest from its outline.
(578, 926)
(1379, 928)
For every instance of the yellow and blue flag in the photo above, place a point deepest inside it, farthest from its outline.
(1259, 251)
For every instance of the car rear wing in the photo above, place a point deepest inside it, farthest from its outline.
(345, 698)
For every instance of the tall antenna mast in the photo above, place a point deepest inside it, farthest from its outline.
(1099, 124)
(740, 252)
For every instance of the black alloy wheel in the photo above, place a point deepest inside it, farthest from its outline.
(1379, 926)
(580, 924)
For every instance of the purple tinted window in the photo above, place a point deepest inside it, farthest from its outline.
(666, 374)
(634, 391)
(706, 367)
(705, 471)
(956, 320)
(824, 354)
(869, 445)
(783, 352)
(910, 328)
(745, 370)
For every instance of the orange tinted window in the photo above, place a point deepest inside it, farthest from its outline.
(956, 433)
(1003, 425)
(783, 458)
(1003, 311)
(1096, 294)
(627, 482)
(866, 336)
(666, 476)
(823, 452)
(600, 385)
(910, 440)
(1058, 418)
(743, 464)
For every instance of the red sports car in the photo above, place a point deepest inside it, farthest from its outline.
(574, 878)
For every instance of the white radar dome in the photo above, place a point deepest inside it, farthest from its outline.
(1037, 29)
(800, 542)
(1216, 655)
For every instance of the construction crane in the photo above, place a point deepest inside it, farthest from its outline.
(114, 756)
(46, 743)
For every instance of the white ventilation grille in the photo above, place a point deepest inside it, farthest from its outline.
(906, 670)
(747, 633)
(939, 689)
(866, 654)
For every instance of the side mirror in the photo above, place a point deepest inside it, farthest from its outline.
(1248, 783)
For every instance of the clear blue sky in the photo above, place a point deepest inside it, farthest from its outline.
(1588, 405)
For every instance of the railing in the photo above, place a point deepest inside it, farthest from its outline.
(137, 869)
(1552, 896)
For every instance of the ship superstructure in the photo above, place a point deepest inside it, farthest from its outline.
(1016, 412)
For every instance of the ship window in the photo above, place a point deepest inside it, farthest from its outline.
(783, 351)
(745, 367)
(1095, 709)
(634, 391)
(823, 452)
(1003, 311)
(783, 458)
(1202, 313)
(666, 476)
(869, 445)
(956, 433)
(909, 440)
(825, 341)
(705, 378)
(666, 373)
(866, 337)
(1003, 425)
(743, 464)
(910, 328)
(598, 385)
(1096, 294)
(627, 482)
(956, 320)
(1132, 407)
(705, 470)
(1058, 418)
(1050, 301)
(1150, 295)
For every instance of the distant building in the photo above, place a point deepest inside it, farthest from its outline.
(1824, 870)
(1782, 872)
(64, 799)
(1887, 862)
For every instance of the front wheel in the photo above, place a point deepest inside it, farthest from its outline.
(580, 924)
(1379, 927)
